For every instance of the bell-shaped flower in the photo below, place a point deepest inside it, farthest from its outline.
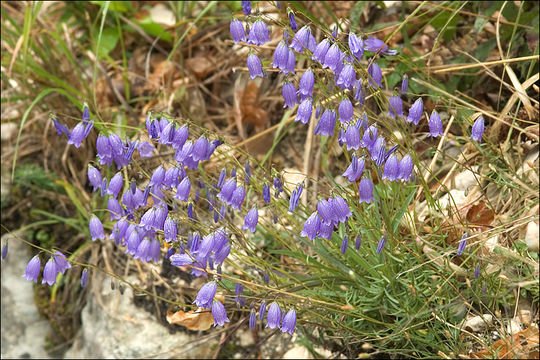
(219, 313)
(259, 34)
(435, 124)
(376, 45)
(183, 189)
(326, 124)
(320, 51)
(356, 46)
(415, 112)
(311, 226)
(205, 296)
(77, 135)
(396, 107)
(345, 110)
(304, 111)
(289, 95)
(352, 137)
(49, 272)
(391, 168)
(405, 168)
(375, 75)
(251, 220)
(332, 57)
(307, 82)
(301, 39)
(32, 269)
(289, 322)
(238, 197)
(254, 66)
(273, 318)
(94, 176)
(478, 129)
(378, 151)
(381, 244)
(281, 56)
(227, 190)
(96, 228)
(347, 77)
(237, 31)
(365, 189)
(355, 169)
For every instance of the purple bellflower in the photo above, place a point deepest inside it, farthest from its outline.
(77, 135)
(380, 245)
(405, 168)
(478, 129)
(96, 228)
(356, 46)
(289, 322)
(344, 245)
(84, 277)
(266, 194)
(251, 219)
(347, 77)
(289, 95)
(415, 112)
(259, 34)
(404, 84)
(292, 21)
(352, 137)
(205, 296)
(246, 7)
(321, 50)
(94, 176)
(303, 114)
(462, 244)
(358, 242)
(254, 66)
(435, 124)
(391, 168)
(355, 169)
(238, 197)
(273, 318)
(377, 45)
(345, 110)
(326, 123)
(307, 82)
(115, 185)
(396, 107)
(281, 57)
(365, 189)
(219, 313)
(237, 31)
(49, 272)
(32, 269)
(332, 57)
(375, 75)
(311, 226)
(252, 319)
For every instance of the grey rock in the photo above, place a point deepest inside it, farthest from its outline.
(113, 327)
(23, 331)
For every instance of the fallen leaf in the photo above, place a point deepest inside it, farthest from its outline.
(250, 110)
(200, 320)
(480, 215)
(523, 345)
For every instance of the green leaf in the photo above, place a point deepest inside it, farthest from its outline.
(153, 28)
(109, 39)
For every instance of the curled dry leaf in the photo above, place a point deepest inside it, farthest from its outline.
(523, 345)
(199, 320)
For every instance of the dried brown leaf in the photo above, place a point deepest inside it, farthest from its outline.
(523, 345)
(200, 320)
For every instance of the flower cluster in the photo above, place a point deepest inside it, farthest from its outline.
(57, 264)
